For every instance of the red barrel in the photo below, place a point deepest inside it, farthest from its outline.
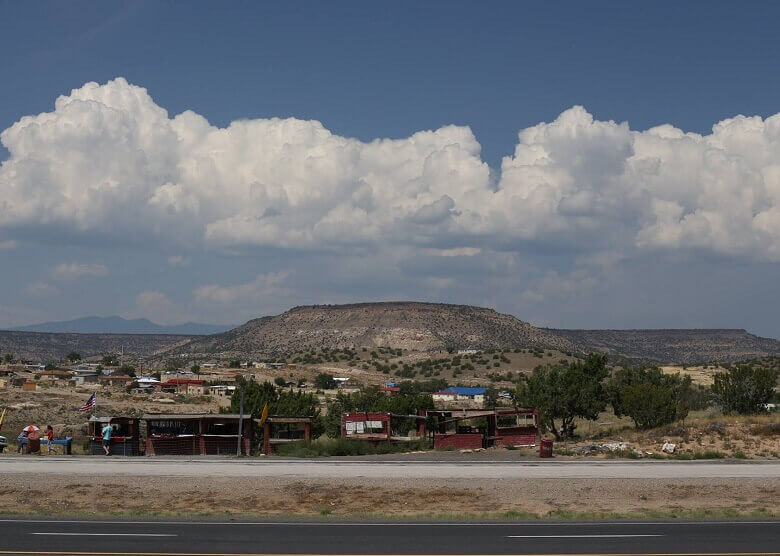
(546, 448)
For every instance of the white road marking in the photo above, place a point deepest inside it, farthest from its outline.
(575, 536)
(107, 534)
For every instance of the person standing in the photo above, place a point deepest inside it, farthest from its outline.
(50, 439)
(107, 432)
(20, 441)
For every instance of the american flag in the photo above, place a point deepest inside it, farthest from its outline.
(91, 403)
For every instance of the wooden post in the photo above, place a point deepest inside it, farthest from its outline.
(267, 438)
(389, 429)
(307, 432)
(240, 420)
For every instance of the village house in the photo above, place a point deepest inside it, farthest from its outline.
(196, 388)
(226, 377)
(6, 370)
(177, 375)
(188, 386)
(81, 379)
(444, 396)
(147, 381)
(461, 393)
(115, 380)
(221, 391)
(55, 375)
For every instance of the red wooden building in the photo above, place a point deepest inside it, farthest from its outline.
(479, 428)
(376, 427)
(197, 434)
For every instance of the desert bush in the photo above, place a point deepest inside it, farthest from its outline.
(744, 389)
(565, 392)
(650, 397)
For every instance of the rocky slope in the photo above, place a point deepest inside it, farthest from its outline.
(404, 325)
(436, 326)
(49, 346)
(681, 346)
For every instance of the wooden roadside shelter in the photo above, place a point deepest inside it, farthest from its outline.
(480, 428)
(281, 430)
(125, 440)
(198, 434)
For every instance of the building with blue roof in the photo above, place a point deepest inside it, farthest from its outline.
(464, 391)
(461, 393)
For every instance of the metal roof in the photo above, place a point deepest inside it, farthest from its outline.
(464, 391)
(184, 416)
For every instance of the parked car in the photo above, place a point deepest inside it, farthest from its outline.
(3, 443)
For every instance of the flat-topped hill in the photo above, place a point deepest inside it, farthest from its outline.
(437, 326)
(400, 325)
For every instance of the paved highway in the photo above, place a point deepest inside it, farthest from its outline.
(117, 537)
(371, 469)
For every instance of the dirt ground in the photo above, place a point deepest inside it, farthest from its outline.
(729, 436)
(399, 498)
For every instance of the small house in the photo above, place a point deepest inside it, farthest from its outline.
(115, 380)
(462, 393)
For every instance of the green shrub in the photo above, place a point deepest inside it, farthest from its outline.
(744, 389)
(650, 397)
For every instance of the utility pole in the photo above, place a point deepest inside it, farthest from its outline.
(240, 420)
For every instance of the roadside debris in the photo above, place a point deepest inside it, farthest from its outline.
(615, 446)
(668, 447)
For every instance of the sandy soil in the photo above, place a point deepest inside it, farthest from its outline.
(355, 497)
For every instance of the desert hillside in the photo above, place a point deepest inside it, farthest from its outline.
(399, 325)
(52, 346)
(683, 346)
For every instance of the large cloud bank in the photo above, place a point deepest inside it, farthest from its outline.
(109, 162)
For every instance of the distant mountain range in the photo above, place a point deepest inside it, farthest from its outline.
(118, 325)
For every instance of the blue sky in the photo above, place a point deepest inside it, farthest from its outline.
(624, 256)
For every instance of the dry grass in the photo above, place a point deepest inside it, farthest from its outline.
(700, 374)
(702, 433)
(390, 498)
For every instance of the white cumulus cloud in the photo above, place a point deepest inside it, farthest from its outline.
(109, 161)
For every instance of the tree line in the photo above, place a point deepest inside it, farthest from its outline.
(582, 389)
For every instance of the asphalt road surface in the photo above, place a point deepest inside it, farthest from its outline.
(91, 536)
(372, 469)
